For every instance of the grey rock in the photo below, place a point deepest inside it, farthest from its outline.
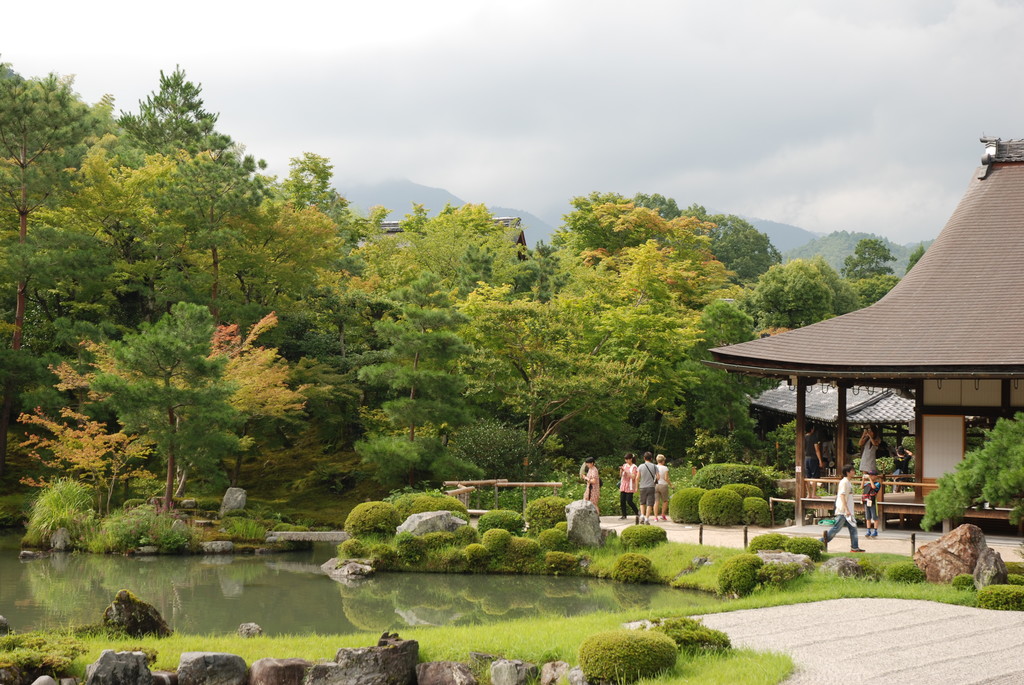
(278, 671)
(147, 550)
(44, 680)
(392, 662)
(513, 671)
(217, 547)
(163, 678)
(234, 499)
(584, 523)
(552, 672)
(5, 626)
(444, 673)
(135, 617)
(348, 570)
(250, 630)
(576, 677)
(642, 624)
(60, 541)
(431, 522)
(700, 561)
(119, 668)
(770, 556)
(30, 554)
(70, 680)
(481, 658)
(211, 668)
(990, 569)
(844, 567)
(188, 504)
(10, 675)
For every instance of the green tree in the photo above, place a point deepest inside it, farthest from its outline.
(166, 387)
(869, 258)
(915, 256)
(872, 289)
(173, 118)
(799, 293)
(309, 183)
(665, 206)
(744, 250)
(425, 394)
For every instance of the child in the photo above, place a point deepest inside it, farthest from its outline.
(871, 486)
(844, 511)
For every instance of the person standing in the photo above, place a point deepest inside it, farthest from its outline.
(844, 511)
(870, 487)
(661, 489)
(592, 492)
(627, 486)
(813, 461)
(647, 480)
(869, 442)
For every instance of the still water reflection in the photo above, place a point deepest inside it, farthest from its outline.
(286, 593)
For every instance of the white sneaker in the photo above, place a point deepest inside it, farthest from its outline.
(643, 521)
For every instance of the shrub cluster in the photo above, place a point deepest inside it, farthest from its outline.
(373, 518)
(642, 537)
(691, 636)
(353, 548)
(477, 556)
(506, 519)
(904, 572)
(37, 654)
(739, 575)
(410, 548)
(439, 539)
(384, 557)
(543, 513)
(624, 656)
(1015, 578)
(684, 506)
(65, 503)
(810, 546)
(768, 541)
(745, 490)
(634, 568)
(1002, 597)
(561, 563)
(963, 581)
(417, 503)
(466, 535)
(554, 540)
(715, 476)
(496, 540)
(778, 575)
(756, 512)
(721, 508)
(123, 531)
(521, 554)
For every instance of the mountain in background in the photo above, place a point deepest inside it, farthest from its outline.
(838, 245)
(783, 236)
(400, 195)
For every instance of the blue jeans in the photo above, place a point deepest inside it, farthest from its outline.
(837, 526)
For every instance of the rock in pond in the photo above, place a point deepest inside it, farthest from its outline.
(135, 617)
(250, 630)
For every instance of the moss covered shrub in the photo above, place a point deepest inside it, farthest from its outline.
(624, 656)
(1002, 597)
(466, 535)
(496, 540)
(543, 513)
(715, 476)
(410, 549)
(767, 541)
(478, 557)
(904, 572)
(36, 654)
(522, 554)
(562, 526)
(691, 636)
(756, 512)
(739, 575)
(372, 518)
(871, 569)
(446, 560)
(353, 548)
(1015, 579)
(810, 546)
(506, 519)
(417, 502)
(561, 563)
(721, 508)
(684, 506)
(963, 581)
(634, 568)
(383, 557)
(778, 575)
(439, 539)
(642, 537)
(745, 490)
(554, 540)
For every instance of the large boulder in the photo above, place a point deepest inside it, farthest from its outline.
(444, 673)
(10, 675)
(5, 626)
(217, 547)
(844, 567)
(392, 662)
(60, 540)
(576, 676)
(553, 671)
(954, 553)
(234, 499)
(431, 522)
(771, 556)
(249, 630)
(119, 668)
(512, 672)
(135, 617)
(584, 523)
(990, 569)
(211, 668)
(278, 671)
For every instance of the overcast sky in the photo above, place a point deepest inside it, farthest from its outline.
(863, 116)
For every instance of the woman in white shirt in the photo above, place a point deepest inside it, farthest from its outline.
(661, 490)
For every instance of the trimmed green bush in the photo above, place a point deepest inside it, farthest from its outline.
(778, 575)
(691, 636)
(372, 518)
(634, 568)
(561, 563)
(904, 572)
(721, 508)
(410, 549)
(809, 546)
(466, 535)
(562, 526)
(383, 557)
(353, 548)
(506, 519)
(418, 502)
(496, 540)
(756, 512)
(477, 556)
(522, 553)
(745, 490)
(624, 656)
(768, 541)
(1002, 597)
(715, 476)
(642, 537)
(739, 574)
(871, 569)
(133, 502)
(1014, 579)
(446, 559)
(684, 506)
(439, 539)
(963, 581)
(554, 540)
(543, 513)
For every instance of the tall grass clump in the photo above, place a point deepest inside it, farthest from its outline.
(64, 503)
(124, 531)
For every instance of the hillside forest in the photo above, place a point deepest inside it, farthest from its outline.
(177, 320)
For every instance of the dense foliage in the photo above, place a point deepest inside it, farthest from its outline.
(624, 656)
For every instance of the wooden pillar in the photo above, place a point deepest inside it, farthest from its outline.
(801, 423)
(918, 439)
(841, 427)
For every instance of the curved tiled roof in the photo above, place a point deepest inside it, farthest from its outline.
(959, 311)
(864, 404)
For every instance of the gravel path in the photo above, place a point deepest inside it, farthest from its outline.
(880, 641)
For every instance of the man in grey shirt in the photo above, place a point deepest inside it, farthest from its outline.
(648, 478)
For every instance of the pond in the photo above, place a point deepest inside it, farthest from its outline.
(286, 593)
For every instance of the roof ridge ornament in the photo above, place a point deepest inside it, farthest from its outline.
(991, 150)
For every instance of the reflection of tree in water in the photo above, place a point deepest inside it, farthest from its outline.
(632, 596)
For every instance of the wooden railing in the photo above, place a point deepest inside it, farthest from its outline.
(464, 487)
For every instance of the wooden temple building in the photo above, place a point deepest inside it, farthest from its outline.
(950, 335)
